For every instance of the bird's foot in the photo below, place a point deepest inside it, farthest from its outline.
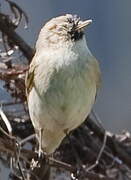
(40, 153)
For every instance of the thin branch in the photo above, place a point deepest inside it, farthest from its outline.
(6, 121)
(59, 164)
(18, 13)
(117, 147)
(8, 28)
(99, 155)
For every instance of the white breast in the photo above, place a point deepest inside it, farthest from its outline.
(67, 100)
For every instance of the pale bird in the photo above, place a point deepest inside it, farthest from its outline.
(62, 81)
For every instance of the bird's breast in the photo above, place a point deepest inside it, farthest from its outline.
(70, 96)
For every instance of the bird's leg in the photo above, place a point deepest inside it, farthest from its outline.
(40, 152)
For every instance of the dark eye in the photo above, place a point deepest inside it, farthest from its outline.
(62, 27)
(70, 20)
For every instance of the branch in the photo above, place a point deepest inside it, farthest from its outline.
(118, 148)
(8, 28)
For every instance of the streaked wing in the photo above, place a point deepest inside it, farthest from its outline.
(97, 73)
(29, 80)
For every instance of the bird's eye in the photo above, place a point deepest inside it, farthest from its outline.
(62, 27)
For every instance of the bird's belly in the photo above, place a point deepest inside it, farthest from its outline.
(64, 106)
(77, 106)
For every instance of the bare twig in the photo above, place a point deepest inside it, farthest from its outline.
(7, 27)
(99, 155)
(117, 147)
(6, 121)
(59, 164)
(18, 13)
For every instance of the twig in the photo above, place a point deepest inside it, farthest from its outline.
(59, 164)
(23, 141)
(7, 27)
(12, 73)
(117, 147)
(20, 169)
(99, 155)
(11, 103)
(6, 121)
(18, 13)
(97, 118)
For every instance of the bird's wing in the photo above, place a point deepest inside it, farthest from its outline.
(29, 80)
(96, 72)
(38, 72)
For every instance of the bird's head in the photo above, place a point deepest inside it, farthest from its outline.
(62, 29)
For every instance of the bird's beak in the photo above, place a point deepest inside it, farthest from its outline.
(83, 24)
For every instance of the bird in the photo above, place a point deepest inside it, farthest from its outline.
(62, 81)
